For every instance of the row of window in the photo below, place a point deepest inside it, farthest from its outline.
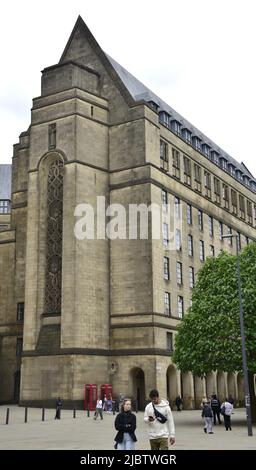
(178, 242)
(5, 206)
(167, 305)
(179, 273)
(189, 218)
(221, 193)
(204, 148)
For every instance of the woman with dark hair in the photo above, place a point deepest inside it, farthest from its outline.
(125, 424)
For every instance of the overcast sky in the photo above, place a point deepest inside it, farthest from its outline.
(197, 55)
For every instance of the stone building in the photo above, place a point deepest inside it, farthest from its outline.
(98, 310)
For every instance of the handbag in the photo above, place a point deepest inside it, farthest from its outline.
(161, 418)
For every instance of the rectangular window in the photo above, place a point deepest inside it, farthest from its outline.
(200, 220)
(198, 180)
(178, 239)
(4, 207)
(190, 245)
(191, 277)
(201, 250)
(234, 201)
(20, 311)
(177, 207)
(226, 196)
(241, 207)
(212, 253)
(164, 199)
(189, 214)
(210, 221)
(247, 241)
(180, 306)
(164, 163)
(249, 211)
(207, 184)
(169, 339)
(230, 240)
(220, 230)
(187, 170)
(176, 163)
(179, 272)
(167, 303)
(19, 343)
(166, 268)
(165, 234)
(217, 190)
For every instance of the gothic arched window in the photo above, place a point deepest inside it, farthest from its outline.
(54, 237)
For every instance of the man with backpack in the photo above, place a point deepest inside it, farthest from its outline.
(159, 418)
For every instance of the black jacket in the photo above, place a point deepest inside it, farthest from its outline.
(125, 422)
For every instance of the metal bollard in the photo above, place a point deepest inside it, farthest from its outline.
(26, 415)
(7, 416)
(136, 406)
(43, 412)
(74, 413)
(88, 412)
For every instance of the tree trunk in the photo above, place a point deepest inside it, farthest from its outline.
(252, 396)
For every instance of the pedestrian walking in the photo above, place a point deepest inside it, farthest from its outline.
(226, 411)
(207, 414)
(178, 402)
(58, 408)
(125, 424)
(98, 410)
(215, 405)
(159, 418)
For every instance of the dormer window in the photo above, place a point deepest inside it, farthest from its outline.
(186, 134)
(253, 185)
(153, 105)
(164, 118)
(246, 180)
(206, 150)
(176, 127)
(196, 143)
(215, 157)
(223, 163)
(239, 175)
(232, 170)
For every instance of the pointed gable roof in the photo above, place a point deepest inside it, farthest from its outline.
(80, 25)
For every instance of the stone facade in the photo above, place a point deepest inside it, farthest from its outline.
(112, 326)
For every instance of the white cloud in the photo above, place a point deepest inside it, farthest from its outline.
(197, 55)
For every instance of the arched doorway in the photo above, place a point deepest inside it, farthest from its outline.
(16, 393)
(240, 389)
(210, 384)
(187, 390)
(172, 385)
(231, 384)
(221, 388)
(138, 387)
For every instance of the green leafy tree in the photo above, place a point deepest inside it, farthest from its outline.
(209, 335)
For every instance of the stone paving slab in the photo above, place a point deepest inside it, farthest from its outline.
(86, 433)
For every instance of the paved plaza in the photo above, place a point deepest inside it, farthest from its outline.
(85, 433)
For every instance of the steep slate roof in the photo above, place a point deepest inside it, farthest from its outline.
(133, 90)
(5, 181)
(141, 92)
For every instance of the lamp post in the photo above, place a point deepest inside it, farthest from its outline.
(241, 315)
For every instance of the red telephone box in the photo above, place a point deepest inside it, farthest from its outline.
(90, 396)
(106, 389)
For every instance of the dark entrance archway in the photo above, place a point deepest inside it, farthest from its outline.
(138, 387)
(16, 393)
